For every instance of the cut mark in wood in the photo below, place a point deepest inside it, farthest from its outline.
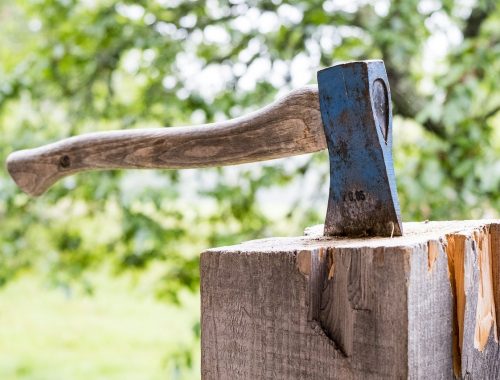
(495, 263)
(340, 284)
(455, 250)
(336, 315)
(331, 271)
(485, 311)
(304, 262)
(432, 254)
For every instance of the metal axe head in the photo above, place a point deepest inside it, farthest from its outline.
(355, 104)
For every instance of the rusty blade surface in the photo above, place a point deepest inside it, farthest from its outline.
(357, 116)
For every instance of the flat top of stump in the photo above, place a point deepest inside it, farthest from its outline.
(413, 233)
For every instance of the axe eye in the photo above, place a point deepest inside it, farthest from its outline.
(380, 100)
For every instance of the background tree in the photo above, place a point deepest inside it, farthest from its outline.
(69, 67)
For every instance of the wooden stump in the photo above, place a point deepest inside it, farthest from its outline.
(421, 306)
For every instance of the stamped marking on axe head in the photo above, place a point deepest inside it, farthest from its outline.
(355, 123)
(357, 116)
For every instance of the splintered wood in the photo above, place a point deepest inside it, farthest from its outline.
(421, 306)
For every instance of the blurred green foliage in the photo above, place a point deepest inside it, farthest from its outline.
(69, 67)
(121, 332)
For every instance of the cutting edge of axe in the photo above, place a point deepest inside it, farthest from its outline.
(352, 116)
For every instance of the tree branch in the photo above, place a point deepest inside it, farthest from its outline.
(477, 17)
(492, 112)
(406, 101)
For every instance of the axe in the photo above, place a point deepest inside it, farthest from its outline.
(349, 113)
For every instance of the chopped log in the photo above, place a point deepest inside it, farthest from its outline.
(421, 306)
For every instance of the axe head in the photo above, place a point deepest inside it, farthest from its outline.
(355, 103)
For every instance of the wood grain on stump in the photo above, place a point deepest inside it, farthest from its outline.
(421, 306)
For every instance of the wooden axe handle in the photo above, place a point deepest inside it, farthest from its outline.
(290, 126)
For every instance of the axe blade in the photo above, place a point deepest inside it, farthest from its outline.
(355, 103)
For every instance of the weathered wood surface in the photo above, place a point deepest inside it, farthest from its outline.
(290, 126)
(421, 306)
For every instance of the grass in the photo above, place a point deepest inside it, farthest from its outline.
(121, 332)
